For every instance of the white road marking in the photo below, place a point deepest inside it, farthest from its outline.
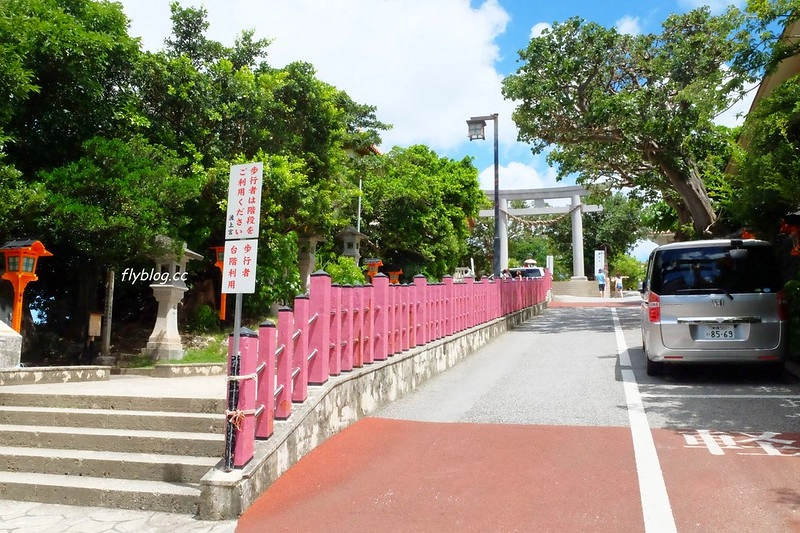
(721, 396)
(656, 509)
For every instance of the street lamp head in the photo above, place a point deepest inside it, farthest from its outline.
(475, 129)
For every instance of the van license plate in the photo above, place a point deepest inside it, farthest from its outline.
(717, 332)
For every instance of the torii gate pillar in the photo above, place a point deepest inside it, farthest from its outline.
(577, 239)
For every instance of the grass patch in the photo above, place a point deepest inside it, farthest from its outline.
(215, 352)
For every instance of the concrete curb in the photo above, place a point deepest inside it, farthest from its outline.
(55, 374)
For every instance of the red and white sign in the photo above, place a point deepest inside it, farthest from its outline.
(244, 201)
(239, 267)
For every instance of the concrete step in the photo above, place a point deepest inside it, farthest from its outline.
(112, 419)
(125, 403)
(141, 466)
(90, 447)
(114, 440)
(100, 492)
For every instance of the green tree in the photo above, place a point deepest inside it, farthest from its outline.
(632, 111)
(765, 180)
(417, 207)
(104, 211)
(70, 64)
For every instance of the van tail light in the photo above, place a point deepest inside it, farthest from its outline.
(654, 307)
(783, 306)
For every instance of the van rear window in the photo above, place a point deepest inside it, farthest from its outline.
(708, 270)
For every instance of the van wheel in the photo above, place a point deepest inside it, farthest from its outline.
(654, 368)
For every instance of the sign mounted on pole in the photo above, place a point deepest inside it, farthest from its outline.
(239, 268)
(239, 272)
(244, 201)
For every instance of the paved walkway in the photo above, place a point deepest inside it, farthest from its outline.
(30, 517)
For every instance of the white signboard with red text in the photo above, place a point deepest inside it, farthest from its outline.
(241, 228)
(239, 273)
(244, 201)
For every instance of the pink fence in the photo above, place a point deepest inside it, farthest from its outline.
(335, 329)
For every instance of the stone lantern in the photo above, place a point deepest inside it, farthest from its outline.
(351, 241)
(169, 284)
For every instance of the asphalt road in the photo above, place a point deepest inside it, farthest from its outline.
(556, 427)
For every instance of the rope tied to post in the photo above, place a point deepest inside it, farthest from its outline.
(235, 418)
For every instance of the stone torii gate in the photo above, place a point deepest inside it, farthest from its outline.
(574, 193)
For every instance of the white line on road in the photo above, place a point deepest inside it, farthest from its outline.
(656, 509)
(722, 396)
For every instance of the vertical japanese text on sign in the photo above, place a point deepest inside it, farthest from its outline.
(244, 201)
(239, 268)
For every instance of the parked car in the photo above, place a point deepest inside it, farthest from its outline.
(713, 301)
(527, 272)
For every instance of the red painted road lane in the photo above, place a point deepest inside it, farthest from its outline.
(744, 489)
(391, 475)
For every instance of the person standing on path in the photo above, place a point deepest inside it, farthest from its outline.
(601, 282)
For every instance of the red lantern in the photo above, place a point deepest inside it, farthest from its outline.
(21, 258)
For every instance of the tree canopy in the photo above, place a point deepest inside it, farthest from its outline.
(417, 207)
(632, 111)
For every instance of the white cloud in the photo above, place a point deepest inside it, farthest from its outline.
(539, 28)
(427, 66)
(628, 25)
(517, 175)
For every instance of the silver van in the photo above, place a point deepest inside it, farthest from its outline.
(713, 301)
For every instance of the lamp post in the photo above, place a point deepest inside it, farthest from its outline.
(475, 130)
(21, 257)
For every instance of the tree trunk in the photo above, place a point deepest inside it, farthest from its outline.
(106, 350)
(693, 191)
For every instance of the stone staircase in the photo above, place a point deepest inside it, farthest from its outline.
(126, 452)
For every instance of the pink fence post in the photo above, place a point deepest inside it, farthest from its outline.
(451, 307)
(285, 364)
(301, 351)
(335, 350)
(367, 298)
(469, 308)
(392, 313)
(242, 418)
(405, 313)
(497, 298)
(380, 310)
(413, 315)
(265, 394)
(439, 313)
(319, 341)
(357, 312)
(421, 325)
(347, 315)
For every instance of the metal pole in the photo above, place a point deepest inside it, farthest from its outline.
(233, 387)
(358, 222)
(497, 266)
